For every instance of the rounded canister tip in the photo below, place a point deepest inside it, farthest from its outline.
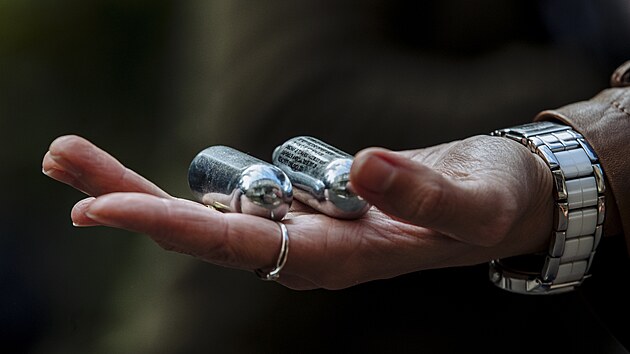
(265, 191)
(347, 204)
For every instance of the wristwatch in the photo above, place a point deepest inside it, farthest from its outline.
(578, 192)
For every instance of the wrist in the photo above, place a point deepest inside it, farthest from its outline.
(578, 196)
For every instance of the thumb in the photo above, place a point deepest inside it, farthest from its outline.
(403, 188)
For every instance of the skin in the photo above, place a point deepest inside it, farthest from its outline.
(460, 203)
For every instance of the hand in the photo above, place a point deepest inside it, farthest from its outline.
(455, 204)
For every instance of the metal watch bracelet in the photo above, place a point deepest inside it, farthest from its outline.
(579, 212)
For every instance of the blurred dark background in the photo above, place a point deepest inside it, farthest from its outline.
(154, 82)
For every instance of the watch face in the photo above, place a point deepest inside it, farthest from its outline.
(529, 264)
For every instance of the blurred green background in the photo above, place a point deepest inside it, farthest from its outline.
(154, 82)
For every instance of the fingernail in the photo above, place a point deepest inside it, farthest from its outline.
(59, 175)
(94, 212)
(76, 224)
(52, 173)
(65, 165)
(376, 174)
(78, 214)
(86, 223)
(93, 216)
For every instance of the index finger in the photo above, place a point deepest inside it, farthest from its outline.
(231, 240)
(228, 239)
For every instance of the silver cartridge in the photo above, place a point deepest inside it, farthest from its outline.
(320, 174)
(232, 181)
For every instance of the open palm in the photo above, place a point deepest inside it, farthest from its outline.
(460, 203)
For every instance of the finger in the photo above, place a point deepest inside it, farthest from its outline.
(53, 170)
(409, 190)
(232, 240)
(79, 163)
(78, 213)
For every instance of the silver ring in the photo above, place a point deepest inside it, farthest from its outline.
(274, 274)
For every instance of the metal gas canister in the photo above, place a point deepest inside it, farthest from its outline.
(233, 181)
(320, 174)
